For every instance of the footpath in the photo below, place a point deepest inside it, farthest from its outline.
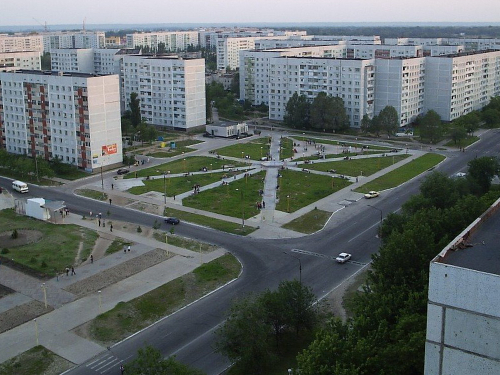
(53, 329)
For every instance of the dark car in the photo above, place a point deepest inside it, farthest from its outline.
(172, 220)
(122, 171)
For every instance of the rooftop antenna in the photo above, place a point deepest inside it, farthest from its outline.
(45, 28)
(84, 23)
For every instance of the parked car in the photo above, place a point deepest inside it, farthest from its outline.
(343, 257)
(172, 220)
(372, 194)
(122, 171)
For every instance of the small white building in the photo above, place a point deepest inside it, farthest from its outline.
(35, 207)
(227, 130)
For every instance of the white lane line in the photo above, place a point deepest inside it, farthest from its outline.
(366, 230)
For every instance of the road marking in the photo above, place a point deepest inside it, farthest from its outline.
(305, 252)
(366, 230)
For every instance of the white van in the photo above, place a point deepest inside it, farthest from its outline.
(20, 186)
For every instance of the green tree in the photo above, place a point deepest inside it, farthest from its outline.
(135, 109)
(366, 124)
(439, 190)
(328, 113)
(472, 122)
(46, 61)
(375, 126)
(491, 117)
(126, 125)
(458, 132)
(389, 120)
(430, 127)
(297, 112)
(149, 361)
(481, 172)
(235, 84)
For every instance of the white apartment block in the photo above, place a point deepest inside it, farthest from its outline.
(255, 65)
(351, 80)
(400, 83)
(73, 39)
(463, 318)
(470, 44)
(171, 90)
(172, 40)
(87, 60)
(10, 61)
(209, 37)
(75, 117)
(367, 51)
(19, 42)
(228, 51)
(459, 84)
(432, 50)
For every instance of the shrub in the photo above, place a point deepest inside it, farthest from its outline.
(14, 234)
(139, 229)
(5, 251)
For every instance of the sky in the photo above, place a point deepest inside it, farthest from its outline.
(57, 12)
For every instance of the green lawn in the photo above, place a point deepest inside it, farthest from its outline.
(357, 167)
(463, 143)
(180, 147)
(129, 317)
(222, 225)
(341, 154)
(37, 360)
(117, 245)
(55, 250)
(185, 243)
(255, 149)
(188, 164)
(402, 174)
(308, 223)
(94, 194)
(299, 189)
(178, 185)
(286, 150)
(227, 200)
(356, 145)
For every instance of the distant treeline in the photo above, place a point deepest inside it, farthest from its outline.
(410, 31)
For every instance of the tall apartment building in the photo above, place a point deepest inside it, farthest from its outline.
(351, 80)
(209, 37)
(74, 117)
(228, 51)
(255, 66)
(172, 40)
(20, 42)
(29, 60)
(87, 60)
(458, 84)
(463, 318)
(73, 39)
(470, 44)
(171, 90)
(400, 83)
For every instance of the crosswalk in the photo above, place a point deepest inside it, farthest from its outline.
(105, 363)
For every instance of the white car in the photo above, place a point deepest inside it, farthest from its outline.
(460, 174)
(343, 257)
(372, 194)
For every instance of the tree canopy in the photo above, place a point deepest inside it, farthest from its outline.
(150, 362)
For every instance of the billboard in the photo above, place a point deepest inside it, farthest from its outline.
(109, 149)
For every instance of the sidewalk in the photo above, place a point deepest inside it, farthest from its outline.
(54, 327)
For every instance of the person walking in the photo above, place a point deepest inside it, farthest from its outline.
(122, 369)
(110, 227)
(128, 248)
(67, 271)
(91, 259)
(73, 271)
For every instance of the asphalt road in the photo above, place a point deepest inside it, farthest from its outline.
(188, 333)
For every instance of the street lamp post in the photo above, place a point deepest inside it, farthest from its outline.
(164, 188)
(288, 203)
(210, 169)
(300, 265)
(100, 301)
(44, 288)
(166, 243)
(261, 152)
(378, 209)
(36, 330)
(242, 210)
(333, 182)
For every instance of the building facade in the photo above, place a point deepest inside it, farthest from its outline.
(20, 42)
(173, 41)
(73, 39)
(86, 60)
(20, 60)
(171, 90)
(73, 117)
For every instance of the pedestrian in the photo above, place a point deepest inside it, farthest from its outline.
(174, 197)
(112, 186)
(122, 369)
(110, 227)
(103, 223)
(91, 259)
(356, 178)
(125, 250)
(73, 271)
(99, 222)
(263, 204)
(100, 215)
(67, 271)
(110, 201)
(128, 248)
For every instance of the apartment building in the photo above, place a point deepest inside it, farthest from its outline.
(171, 90)
(87, 60)
(209, 37)
(29, 60)
(20, 42)
(469, 44)
(73, 39)
(400, 83)
(351, 80)
(74, 117)
(463, 319)
(255, 66)
(459, 84)
(171, 40)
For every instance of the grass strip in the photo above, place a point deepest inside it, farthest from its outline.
(402, 174)
(94, 194)
(286, 149)
(129, 317)
(37, 360)
(222, 225)
(256, 149)
(463, 142)
(310, 222)
(185, 243)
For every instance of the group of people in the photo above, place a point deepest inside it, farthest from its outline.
(260, 205)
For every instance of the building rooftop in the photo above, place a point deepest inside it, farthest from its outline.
(56, 73)
(479, 250)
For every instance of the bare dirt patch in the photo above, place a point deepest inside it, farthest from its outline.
(24, 237)
(113, 275)
(22, 314)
